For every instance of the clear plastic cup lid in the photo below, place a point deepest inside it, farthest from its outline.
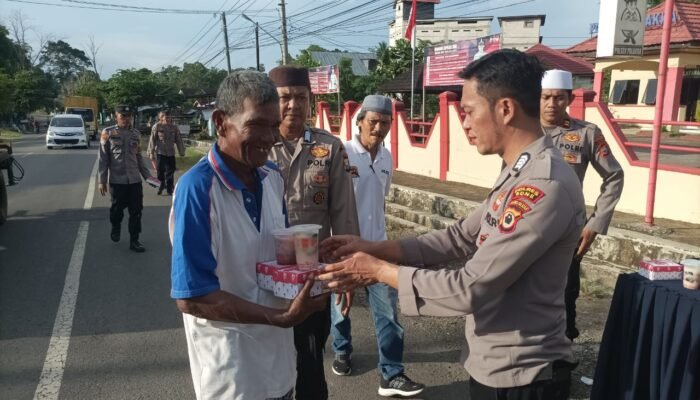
(282, 232)
(306, 228)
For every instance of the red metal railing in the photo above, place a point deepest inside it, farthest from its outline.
(418, 131)
(335, 121)
(683, 149)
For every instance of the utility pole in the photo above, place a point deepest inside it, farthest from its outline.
(257, 48)
(228, 56)
(283, 16)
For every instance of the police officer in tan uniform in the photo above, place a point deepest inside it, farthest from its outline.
(161, 148)
(581, 143)
(520, 241)
(319, 191)
(121, 166)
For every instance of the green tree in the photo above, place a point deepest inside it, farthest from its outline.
(34, 89)
(304, 58)
(12, 56)
(63, 61)
(7, 87)
(134, 87)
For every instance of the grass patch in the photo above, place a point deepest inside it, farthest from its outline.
(192, 156)
(594, 288)
(6, 134)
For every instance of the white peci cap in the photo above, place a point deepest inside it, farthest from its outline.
(557, 79)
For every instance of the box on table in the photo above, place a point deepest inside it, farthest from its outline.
(657, 270)
(286, 281)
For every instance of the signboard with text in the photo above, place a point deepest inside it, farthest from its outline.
(443, 63)
(621, 28)
(325, 79)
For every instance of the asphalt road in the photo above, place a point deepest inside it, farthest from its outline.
(84, 318)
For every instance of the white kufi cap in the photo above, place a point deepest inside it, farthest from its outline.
(557, 79)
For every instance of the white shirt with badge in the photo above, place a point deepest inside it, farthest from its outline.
(371, 181)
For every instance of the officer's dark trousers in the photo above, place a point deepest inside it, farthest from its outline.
(309, 339)
(126, 196)
(166, 172)
(556, 388)
(573, 286)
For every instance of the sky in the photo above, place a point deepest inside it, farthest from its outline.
(153, 40)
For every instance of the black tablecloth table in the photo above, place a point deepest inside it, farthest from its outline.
(651, 343)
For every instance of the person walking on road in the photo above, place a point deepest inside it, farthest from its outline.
(371, 169)
(520, 241)
(225, 208)
(315, 168)
(161, 148)
(121, 166)
(581, 143)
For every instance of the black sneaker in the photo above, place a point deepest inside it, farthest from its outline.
(115, 235)
(342, 365)
(400, 385)
(136, 246)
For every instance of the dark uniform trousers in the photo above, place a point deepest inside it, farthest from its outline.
(556, 388)
(126, 196)
(166, 172)
(310, 339)
(573, 286)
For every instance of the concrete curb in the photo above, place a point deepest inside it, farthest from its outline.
(620, 249)
(197, 143)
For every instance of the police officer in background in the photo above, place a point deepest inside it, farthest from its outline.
(121, 166)
(161, 148)
(520, 240)
(581, 143)
(319, 191)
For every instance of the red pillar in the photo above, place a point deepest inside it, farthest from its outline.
(397, 107)
(598, 85)
(672, 97)
(445, 99)
(349, 108)
(323, 109)
(577, 109)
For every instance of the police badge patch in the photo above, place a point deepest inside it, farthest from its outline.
(320, 152)
(319, 197)
(514, 212)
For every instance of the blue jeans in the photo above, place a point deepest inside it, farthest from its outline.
(382, 303)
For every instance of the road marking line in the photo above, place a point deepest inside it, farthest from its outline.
(91, 187)
(55, 363)
(52, 373)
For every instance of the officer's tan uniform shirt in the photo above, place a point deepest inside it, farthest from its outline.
(120, 160)
(318, 182)
(582, 143)
(164, 137)
(521, 240)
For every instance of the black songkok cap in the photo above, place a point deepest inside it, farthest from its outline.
(286, 75)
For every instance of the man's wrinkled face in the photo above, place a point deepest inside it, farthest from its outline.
(553, 104)
(479, 120)
(248, 136)
(374, 128)
(294, 104)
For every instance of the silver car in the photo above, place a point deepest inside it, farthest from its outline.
(67, 130)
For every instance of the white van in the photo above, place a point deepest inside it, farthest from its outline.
(67, 130)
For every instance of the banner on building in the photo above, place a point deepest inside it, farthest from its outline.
(325, 79)
(621, 28)
(443, 63)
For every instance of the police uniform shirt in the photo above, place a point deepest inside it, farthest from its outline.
(582, 143)
(164, 137)
(120, 160)
(318, 183)
(372, 182)
(521, 240)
